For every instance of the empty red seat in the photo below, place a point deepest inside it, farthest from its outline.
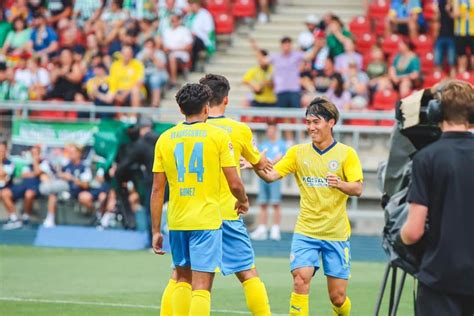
(429, 11)
(224, 23)
(390, 44)
(359, 26)
(244, 9)
(361, 122)
(364, 43)
(427, 62)
(385, 100)
(378, 9)
(216, 7)
(423, 44)
(466, 76)
(433, 78)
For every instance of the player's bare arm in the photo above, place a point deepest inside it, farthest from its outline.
(156, 201)
(268, 176)
(237, 188)
(349, 188)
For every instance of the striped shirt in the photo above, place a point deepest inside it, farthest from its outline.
(464, 24)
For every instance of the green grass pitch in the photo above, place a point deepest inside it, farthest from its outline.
(45, 281)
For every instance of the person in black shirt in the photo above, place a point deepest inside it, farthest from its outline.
(441, 192)
(445, 45)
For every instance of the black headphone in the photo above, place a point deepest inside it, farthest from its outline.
(434, 110)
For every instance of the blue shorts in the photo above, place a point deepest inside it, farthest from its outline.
(336, 255)
(237, 251)
(19, 190)
(199, 249)
(269, 193)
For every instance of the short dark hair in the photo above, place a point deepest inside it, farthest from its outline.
(286, 39)
(192, 98)
(219, 86)
(264, 52)
(324, 108)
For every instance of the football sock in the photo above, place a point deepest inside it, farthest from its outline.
(181, 299)
(299, 304)
(344, 310)
(166, 309)
(256, 297)
(200, 303)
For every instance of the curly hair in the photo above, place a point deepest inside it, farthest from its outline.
(192, 98)
(219, 85)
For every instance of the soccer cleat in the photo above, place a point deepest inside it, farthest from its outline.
(275, 233)
(49, 222)
(260, 233)
(12, 224)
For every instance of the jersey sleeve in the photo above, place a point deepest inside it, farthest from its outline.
(226, 151)
(287, 164)
(352, 167)
(249, 150)
(158, 159)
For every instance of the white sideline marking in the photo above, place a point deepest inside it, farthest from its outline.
(45, 301)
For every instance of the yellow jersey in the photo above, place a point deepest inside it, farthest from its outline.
(192, 156)
(258, 75)
(464, 24)
(322, 209)
(244, 145)
(125, 77)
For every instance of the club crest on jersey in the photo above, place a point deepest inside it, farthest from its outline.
(333, 165)
(231, 148)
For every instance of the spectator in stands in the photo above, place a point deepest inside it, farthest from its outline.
(9, 88)
(35, 78)
(98, 90)
(140, 9)
(445, 44)
(336, 93)
(148, 29)
(356, 82)
(17, 39)
(306, 38)
(126, 79)
(7, 167)
(156, 76)
(323, 80)
(28, 188)
(165, 14)
(44, 40)
(264, 14)
(321, 50)
(58, 10)
(108, 27)
(349, 56)
(377, 66)
(336, 36)
(201, 24)
(178, 5)
(5, 28)
(86, 12)
(404, 18)
(66, 78)
(177, 43)
(78, 176)
(463, 14)
(405, 70)
(270, 193)
(259, 80)
(18, 10)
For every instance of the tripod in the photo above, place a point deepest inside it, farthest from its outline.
(395, 292)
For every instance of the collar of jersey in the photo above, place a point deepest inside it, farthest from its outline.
(191, 123)
(322, 152)
(215, 117)
(457, 135)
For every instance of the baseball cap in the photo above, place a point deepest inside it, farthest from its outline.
(311, 19)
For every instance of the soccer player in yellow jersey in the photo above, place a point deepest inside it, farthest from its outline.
(327, 173)
(191, 157)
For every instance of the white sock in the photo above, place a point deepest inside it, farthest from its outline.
(50, 217)
(276, 227)
(25, 216)
(13, 217)
(262, 228)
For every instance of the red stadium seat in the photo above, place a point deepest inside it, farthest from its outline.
(216, 7)
(378, 9)
(429, 11)
(359, 26)
(385, 100)
(427, 62)
(390, 44)
(466, 76)
(379, 27)
(423, 44)
(361, 122)
(433, 78)
(244, 9)
(364, 43)
(224, 23)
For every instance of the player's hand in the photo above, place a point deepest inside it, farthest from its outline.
(242, 208)
(268, 166)
(158, 243)
(244, 164)
(333, 180)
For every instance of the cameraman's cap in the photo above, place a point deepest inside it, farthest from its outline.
(145, 122)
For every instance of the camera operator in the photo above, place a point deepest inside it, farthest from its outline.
(139, 157)
(441, 192)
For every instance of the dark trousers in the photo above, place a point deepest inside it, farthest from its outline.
(198, 45)
(430, 302)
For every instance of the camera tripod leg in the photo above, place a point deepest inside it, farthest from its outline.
(398, 296)
(393, 288)
(378, 304)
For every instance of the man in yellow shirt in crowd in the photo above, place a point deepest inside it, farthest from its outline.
(126, 78)
(327, 173)
(259, 79)
(191, 157)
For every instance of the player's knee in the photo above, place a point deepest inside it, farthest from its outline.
(29, 194)
(337, 297)
(301, 282)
